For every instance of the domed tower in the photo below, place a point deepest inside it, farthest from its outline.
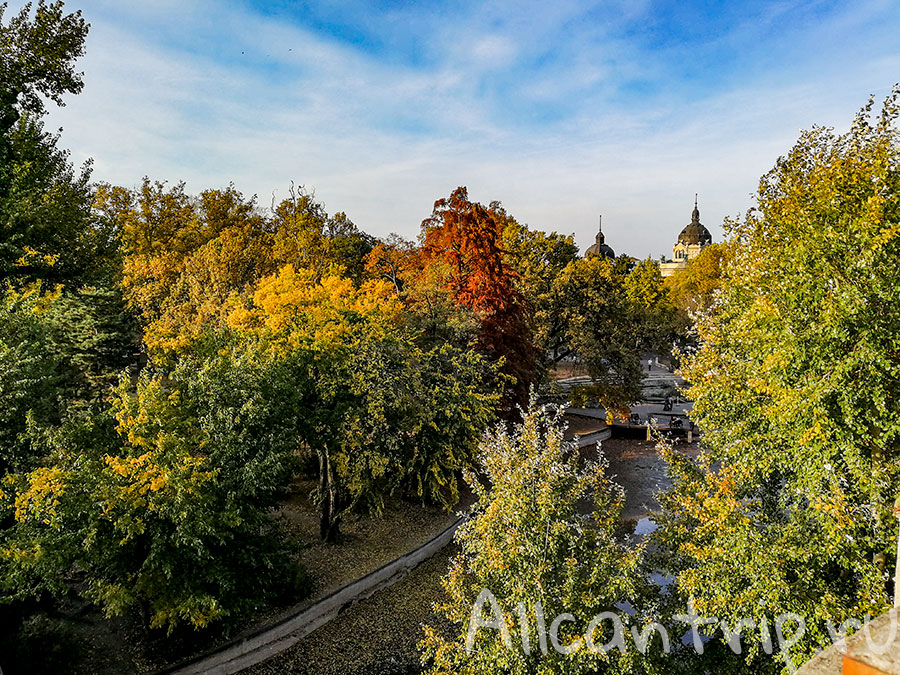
(695, 232)
(693, 239)
(599, 248)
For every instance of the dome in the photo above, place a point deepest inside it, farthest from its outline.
(695, 232)
(599, 248)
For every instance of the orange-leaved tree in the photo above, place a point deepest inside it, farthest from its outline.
(465, 236)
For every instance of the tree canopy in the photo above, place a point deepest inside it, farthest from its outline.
(46, 230)
(37, 59)
(538, 555)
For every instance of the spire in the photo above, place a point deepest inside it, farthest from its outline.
(695, 214)
(600, 238)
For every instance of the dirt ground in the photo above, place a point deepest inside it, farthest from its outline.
(377, 636)
(566, 369)
(367, 542)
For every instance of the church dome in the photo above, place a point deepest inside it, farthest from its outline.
(600, 248)
(695, 232)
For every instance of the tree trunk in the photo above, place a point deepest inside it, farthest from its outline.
(329, 520)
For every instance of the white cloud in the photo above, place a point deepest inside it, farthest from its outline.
(382, 140)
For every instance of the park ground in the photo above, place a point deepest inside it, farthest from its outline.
(378, 636)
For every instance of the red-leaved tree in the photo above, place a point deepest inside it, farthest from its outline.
(466, 237)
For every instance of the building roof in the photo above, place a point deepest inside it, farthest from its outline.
(695, 232)
(600, 247)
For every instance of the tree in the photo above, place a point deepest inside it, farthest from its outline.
(466, 238)
(45, 219)
(600, 326)
(538, 259)
(380, 414)
(31, 378)
(186, 258)
(183, 257)
(693, 288)
(431, 313)
(532, 547)
(391, 260)
(535, 256)
(59, 354)
(652, 303)
(161, 508)
(455, 403)
(197, 267)
(348, 246)
(48, 232)
(38, 54)
(796, 386)
(305, 236)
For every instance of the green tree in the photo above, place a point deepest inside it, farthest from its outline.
(60, 351)
(531, 545)
(601, 327)
(45, 226)
(37, 55)
(45, 216)
(111, 495)
(31, 377)
(538, 259)
(535, 256)
(162, 509)
(347, 246)
(453, 402)
(796, 386)
(651, 302)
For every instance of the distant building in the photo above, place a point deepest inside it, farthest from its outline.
(693, 239)
(599, 247)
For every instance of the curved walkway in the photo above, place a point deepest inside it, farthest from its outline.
(272, 639)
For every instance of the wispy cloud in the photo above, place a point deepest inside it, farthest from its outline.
(561, 110)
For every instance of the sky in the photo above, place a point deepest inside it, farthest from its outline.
(561, 110)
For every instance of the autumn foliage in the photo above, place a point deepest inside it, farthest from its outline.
(467, 238)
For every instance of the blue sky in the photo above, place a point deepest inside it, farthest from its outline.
(561, 110)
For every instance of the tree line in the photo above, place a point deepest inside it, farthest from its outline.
(170, 362)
